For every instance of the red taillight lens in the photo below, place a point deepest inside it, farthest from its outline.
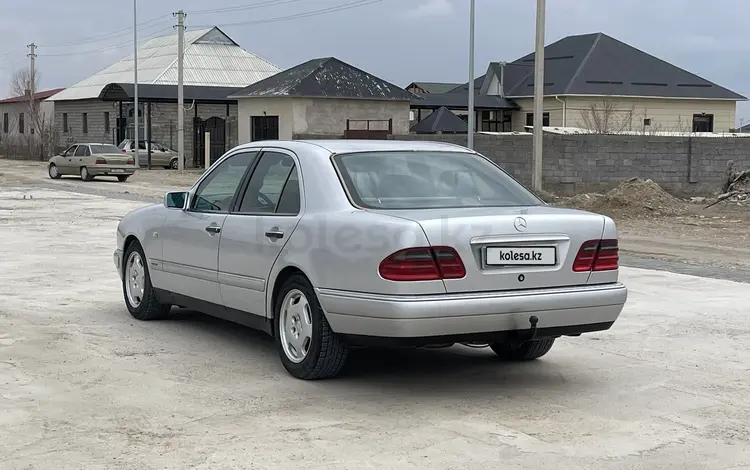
(131, 161)
(423, 264)
(101, 161)
(608, 256)
(597, 255)
(124, 151)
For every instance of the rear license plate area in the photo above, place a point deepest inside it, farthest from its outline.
(117, 170)
(520, 256)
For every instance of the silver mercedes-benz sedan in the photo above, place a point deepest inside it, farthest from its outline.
(330, 245)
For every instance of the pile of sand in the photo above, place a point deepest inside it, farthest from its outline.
(635, 199)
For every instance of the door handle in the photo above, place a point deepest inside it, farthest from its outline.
(275, 234)
(213, 229)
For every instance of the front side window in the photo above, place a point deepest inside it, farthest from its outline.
(274, 175)
(426, 180)
(81, 150)
(216, 192)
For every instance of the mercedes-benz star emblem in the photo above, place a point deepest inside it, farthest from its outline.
(520, 224)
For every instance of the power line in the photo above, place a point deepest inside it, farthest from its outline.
(105, 36)
(109, 48)
(251, 6)
(346, 6)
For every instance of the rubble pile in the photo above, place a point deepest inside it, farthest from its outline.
(635, 198)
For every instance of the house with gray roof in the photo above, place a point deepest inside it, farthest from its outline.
(597, 82)
(323, 97)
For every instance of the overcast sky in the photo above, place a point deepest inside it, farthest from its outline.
(398, 40)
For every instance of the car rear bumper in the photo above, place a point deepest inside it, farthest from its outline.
(111, 170)
(568, 311)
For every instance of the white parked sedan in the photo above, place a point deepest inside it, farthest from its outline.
(329, 245)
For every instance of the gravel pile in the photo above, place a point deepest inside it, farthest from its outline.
(633, 199)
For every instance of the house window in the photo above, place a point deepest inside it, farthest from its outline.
(20, 123)
(106, 122)
(264, 128)
(85, 119)
(530, 119)
(6, 124)
(703, 122)
(65, 122)
(495, 121)
(647, 122)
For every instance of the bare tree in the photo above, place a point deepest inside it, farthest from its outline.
(606, 117)
(20, 81)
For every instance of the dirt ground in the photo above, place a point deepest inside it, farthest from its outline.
(715, 237)
(85, 386)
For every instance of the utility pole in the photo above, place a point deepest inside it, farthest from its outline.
(472, 116)
(135, 83)
(180, 92)
(32, 82)
(536, 163)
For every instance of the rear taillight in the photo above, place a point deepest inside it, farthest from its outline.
(597, 255)
(101, 161)
(124, 151)
(130, 161)
(423, 264)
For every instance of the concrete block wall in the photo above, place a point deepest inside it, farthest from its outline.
(578, 163)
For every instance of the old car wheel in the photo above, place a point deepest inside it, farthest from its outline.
(525, 351)
(123, 178)
(309, 349)
(85, 175)
(173, 164)
(140, 297)
(54, 173)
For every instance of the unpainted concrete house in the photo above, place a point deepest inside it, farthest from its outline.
(324, 98)
(100, 108)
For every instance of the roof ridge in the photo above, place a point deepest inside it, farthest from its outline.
(583, 62)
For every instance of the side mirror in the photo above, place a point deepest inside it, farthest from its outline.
(176, 200)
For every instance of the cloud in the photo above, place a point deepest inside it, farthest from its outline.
(432, 8)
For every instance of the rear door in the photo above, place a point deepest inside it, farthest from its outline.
(191, 237)
(255, 233)
(80, 158)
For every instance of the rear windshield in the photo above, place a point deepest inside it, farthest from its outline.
(104, 148)
(426, 179)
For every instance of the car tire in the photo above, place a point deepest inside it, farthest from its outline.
(123, 178)
(53, 171)
(85, 175)
(142, 305)
(326, 351)
(174, 164)
(527, 351)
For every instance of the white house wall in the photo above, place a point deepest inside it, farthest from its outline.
(665, 114)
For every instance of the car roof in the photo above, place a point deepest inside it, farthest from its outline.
(351, 145)
(89, 143)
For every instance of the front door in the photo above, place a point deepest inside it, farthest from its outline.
(191, 237)
(254, 235)
(66, 162)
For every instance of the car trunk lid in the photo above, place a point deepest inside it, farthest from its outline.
(509, 248)
(116, 158)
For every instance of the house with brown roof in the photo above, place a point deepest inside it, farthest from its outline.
(24, 122)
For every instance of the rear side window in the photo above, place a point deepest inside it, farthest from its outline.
(429, 180)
